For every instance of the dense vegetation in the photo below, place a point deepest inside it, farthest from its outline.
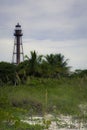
(39, 96)
(53, 65)
(37, 86)
(49, 66)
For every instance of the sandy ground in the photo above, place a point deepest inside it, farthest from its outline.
(64, 120)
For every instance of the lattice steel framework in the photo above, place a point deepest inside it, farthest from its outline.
(18, 54)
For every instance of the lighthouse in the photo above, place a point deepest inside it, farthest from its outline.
(18, 55)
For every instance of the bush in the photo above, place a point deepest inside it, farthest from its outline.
(7, 73)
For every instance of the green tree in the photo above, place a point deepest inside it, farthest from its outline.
(22, 72)
(53, 65)
(80, 73)
(34, 63)
(7, 73)
(58, 64)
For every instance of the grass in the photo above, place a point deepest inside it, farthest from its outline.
(41, 95)
(20, 126)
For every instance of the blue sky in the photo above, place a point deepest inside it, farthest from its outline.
(49, 26)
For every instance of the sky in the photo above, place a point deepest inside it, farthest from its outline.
(49, 26)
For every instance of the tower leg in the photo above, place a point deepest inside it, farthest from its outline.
(18, 55)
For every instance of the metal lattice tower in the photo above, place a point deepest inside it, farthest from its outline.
(18, 55)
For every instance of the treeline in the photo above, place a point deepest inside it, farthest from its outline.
(49, 66)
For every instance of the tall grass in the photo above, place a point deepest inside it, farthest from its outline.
(40, 95)
(66, 95)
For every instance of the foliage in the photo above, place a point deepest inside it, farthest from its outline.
(65, 94)
(7, 73)
(53, 65)
(9, 120)
(49, 66)
(22, 72)
(80, 73)
(58, 65)
(40, 95)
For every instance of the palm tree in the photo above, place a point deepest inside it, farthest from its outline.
(52, 65)
(34, 63)
(58, 64)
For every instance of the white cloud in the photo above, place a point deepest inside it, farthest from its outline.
(75, 51)
(6, 48)
(50, 26)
